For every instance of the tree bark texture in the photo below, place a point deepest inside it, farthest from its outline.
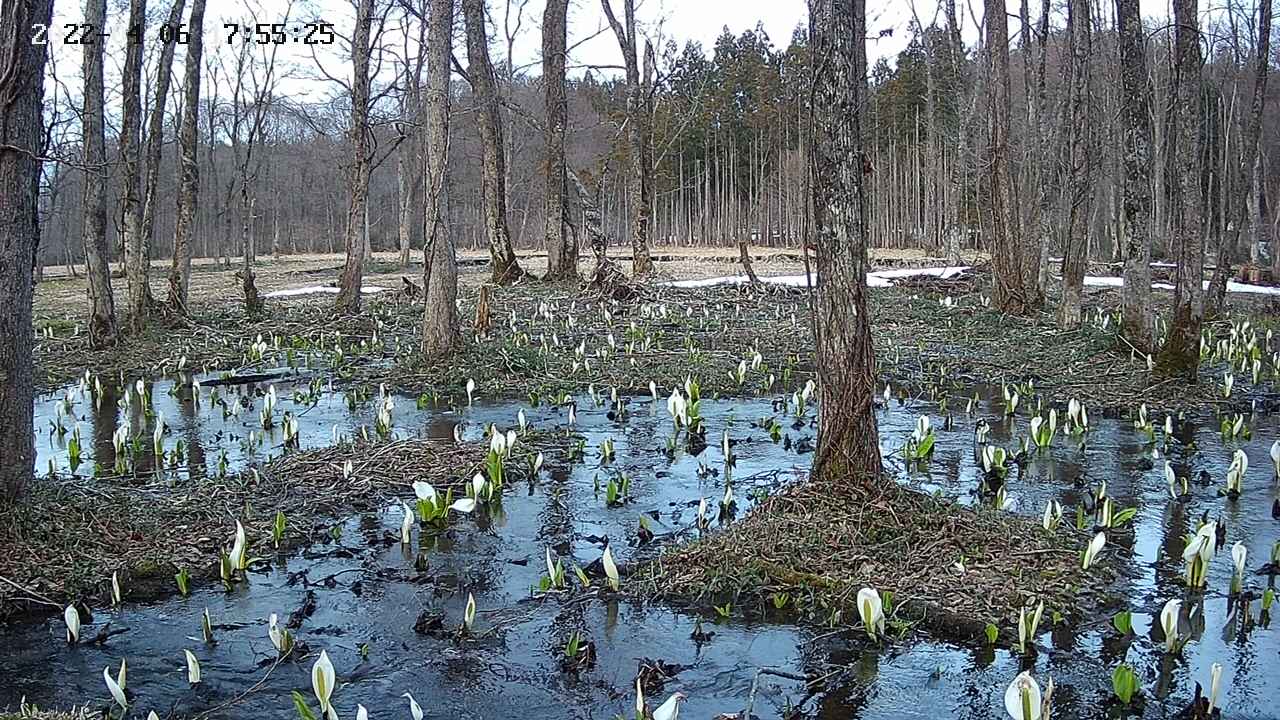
(848, 444)
(189, 165)
(1008, 257)
(506, 269)
(1180, 355)
(102, 308)
(1136, 122)
(155, 141)
(348, 300)
(639, 141)
(440, 330)
(21, 141)
(562, 246)
(136, 258)
(1075, 253)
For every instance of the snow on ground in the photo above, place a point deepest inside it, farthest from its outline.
(884, 278)
(320, 290)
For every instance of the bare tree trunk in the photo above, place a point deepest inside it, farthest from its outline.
(155, 141)
(1136, 114)
(404, 191)
(639, 114)
(1217, 294)
(21, 145)
(1076, 248)
(1007, 255)
(1180, 356)
(506, 269)
(136, 259)
(440, 331)
(562, 246)
(348, 300)
(848, 443)
(189, 174)
(102, 310)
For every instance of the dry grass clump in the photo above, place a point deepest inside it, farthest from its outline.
(820, 545)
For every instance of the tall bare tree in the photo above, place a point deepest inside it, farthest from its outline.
(409, 154)
(562, 246)
(358, 140)
(136, 259)
(102, 308)
(1135, 112)
(21, 146)
(155, 136)
(189, 171)
(639, 139)
(1180, 355)
(440, 332)
(848, 444)
(1080, 152)
(1008, 257)
(1248, 160)
(484, 86)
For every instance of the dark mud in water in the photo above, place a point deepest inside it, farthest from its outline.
(367, 592)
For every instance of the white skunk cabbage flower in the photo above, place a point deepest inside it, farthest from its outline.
(1091, 552)
(653, 390)
(551, 567)
(414, 708)
(1275, 457)
(193, 668)
(406, 524)
(1235, 473)
(639, 699)
(1022, 699)
(72, 617)
(323, 680)
(279, 638)
(469, 614)
(361, 712)
(1052, 516)
(871, 610)
(1239, 553)
(610, 568)
(464, 505)
(1215, 686)
(116, 685)
(471, 389)
(424, 491)
(1169, 623)
(236, 556)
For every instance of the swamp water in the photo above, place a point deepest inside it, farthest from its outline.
(367, 595)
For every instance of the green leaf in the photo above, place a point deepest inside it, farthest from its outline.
(993, 633)
(300, 704)
(1123, 622)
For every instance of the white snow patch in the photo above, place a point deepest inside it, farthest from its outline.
(877, 279)
(1232, 286)
(320, 290)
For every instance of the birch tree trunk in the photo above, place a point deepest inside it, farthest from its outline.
(102, 309)
(440, 331)
(189, 171)
(21, 139)
(1007, 256)
(136, 260)
(1180, 355)
(506, 269)
(848, 444)
(1080, 151)
(1239, 206)
(1136, 117)
(562, 246)
(348, 300)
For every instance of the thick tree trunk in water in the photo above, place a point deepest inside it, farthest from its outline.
(1180, 356)
(1136, 118)
(562, 246)
(348, 300)
(1008, 258)
(1076, 248)
(136, 260)
(189, 172)
(102, 308)
(848, 443)
(1239, 207)
(440, 331)
(506, 269)
(21, 143)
